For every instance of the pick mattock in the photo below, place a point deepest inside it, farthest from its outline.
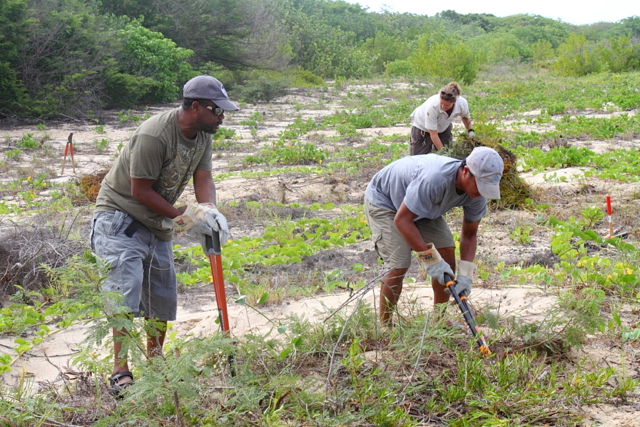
(68, 149)
(215, 259)
(468, 316)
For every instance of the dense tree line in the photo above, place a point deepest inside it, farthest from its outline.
(76, 57)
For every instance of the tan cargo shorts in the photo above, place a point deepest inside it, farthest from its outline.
(390, 244)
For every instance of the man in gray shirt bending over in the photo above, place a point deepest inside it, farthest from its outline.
(404, 204)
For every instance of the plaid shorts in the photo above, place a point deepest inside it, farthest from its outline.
(390, 244)
(142, 268)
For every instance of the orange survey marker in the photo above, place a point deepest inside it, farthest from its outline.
(468, 316)
(68, 149)
(609, 212)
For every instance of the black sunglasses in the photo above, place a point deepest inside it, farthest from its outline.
(215, 110)
(447, 96)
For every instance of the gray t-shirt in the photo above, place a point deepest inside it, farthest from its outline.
(158, 150)
(427, 186)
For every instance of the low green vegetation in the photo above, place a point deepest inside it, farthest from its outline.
(326, 368)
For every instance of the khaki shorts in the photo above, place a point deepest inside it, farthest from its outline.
(142, 268)
(390, 244)
(421, 140)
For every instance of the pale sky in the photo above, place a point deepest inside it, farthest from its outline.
(572, 12)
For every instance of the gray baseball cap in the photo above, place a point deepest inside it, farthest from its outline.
(487, 166)
(207, 87)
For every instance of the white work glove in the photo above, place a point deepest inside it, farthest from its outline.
(201, 231)
(211, 216)
(434, 264)
(187, 219)
(466, 270)
(471, 133)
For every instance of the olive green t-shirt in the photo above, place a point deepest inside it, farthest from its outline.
(158, 150)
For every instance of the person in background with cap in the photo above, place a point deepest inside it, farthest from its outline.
(405, 203)
(135, 217)
(431, 123)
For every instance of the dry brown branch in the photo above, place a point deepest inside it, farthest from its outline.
(24, 248)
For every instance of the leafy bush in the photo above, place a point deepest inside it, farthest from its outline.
(262, 88)
(619, 54)
(446, 60)
(28, 142)
(576, 57)
(399, 67)
(126, 90)
(155, 59)
(288, 153)
(305, 78)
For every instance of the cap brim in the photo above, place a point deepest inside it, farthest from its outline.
(225, 104)
(489, 190)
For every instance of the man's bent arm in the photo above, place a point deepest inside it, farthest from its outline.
(407, 228)
(204, 186)
(468, 239)
(142, 191)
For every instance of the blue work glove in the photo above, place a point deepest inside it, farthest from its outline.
(434, 264)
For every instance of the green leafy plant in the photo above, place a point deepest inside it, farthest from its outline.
(521, 234)
(101, 144)
(13, 154)
(28, 142)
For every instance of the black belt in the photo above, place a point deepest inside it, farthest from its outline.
(131, 228)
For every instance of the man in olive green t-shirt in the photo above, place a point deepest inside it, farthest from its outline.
(134, 216)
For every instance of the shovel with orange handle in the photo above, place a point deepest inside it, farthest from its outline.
(215, 259)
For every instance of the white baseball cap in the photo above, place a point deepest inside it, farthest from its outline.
(207, 87)
(487, 166)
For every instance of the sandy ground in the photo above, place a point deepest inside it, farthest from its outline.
(197, 311)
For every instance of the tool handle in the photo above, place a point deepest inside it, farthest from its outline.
(213, 243)
(609, 205)
(468, 315)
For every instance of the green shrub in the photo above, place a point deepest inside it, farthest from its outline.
(306, 79)
(618, 54)
(28, 142)
(542, 51)
(262, 89)
(576, 57)
(126, 90)
(445, 60)
(13, 154)
(399, 67)
(157, 60)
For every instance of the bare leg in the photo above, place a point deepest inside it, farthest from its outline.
(390, 291)
(156, 332)
(120, 361)
(439, 295)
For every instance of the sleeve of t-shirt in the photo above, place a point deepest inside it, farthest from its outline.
(146, 158)
(432, 118)
(476, 209)
(206, 164)
(465, 110)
